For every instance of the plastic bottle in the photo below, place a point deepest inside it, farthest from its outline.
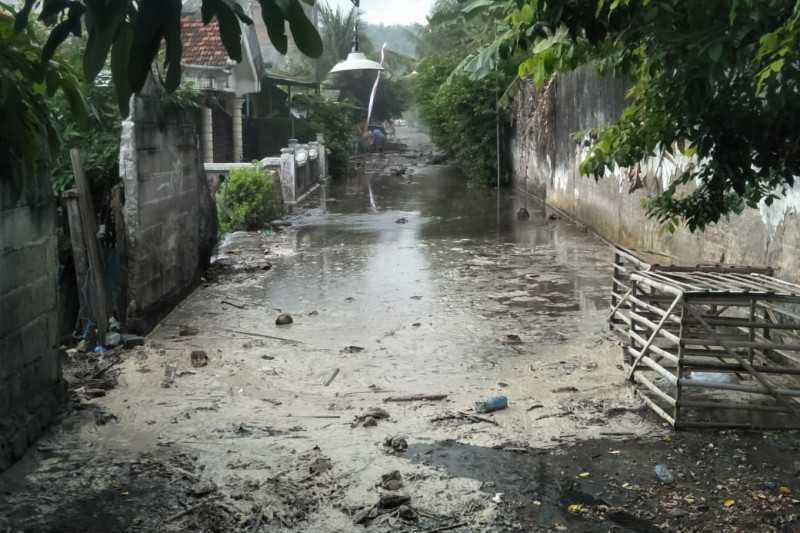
(493, 403)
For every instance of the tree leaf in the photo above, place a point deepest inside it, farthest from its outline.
(306, 36)
(102, 22)
(148, 30)
(229, 31)
(21, 17)
(120, 52)
(174, 46)
(274, 20)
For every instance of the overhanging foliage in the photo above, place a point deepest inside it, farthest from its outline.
(716, 80)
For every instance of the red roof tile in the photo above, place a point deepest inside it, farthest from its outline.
(201, 43)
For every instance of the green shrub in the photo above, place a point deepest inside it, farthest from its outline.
(248, 200)
(335, 120)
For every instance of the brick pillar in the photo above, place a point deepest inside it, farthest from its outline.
(238, 137)
(207, 135)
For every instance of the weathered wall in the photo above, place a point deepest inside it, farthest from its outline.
(545, 157)
(31, 387)
(170, 216)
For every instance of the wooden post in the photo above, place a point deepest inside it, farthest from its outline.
(78, 247)
(95, 264)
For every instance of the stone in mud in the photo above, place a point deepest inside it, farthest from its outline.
(130, 341)
(352, 349)
(187, 331)
(394, 475)
(201, 488)
(369, 422)
(510, 339)
(378, 413)
(397, 444)
(284, 319)
(407, 513)
(363, 515)
(392, 484)
(199, 358)
(393, 500)
(401, 220)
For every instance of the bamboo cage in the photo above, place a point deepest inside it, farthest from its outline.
(709, 345)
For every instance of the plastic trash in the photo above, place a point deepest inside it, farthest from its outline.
(493, 403)
(113, 339)
(99, 349)
(663, 473)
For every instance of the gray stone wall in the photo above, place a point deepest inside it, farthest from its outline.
(31, 387)
(545, 159)
(170, 216)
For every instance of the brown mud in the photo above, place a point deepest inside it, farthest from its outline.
(401, 281)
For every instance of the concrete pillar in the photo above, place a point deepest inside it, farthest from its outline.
(207, 135)
(238, 136)
(288, 168)
(323, 157)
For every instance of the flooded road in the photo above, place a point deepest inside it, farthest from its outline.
(401, 281)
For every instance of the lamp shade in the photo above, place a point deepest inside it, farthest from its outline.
(356, 61)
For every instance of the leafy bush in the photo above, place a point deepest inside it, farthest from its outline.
(248, 200)
(459, 111)
(335, 120)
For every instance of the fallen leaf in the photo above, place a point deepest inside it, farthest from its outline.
(729, 503)
(575, 508)
(614, 452)
(584, 474)
(785, 490)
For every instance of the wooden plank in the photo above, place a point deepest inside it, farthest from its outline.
(655, 349)
(737, 425)
(652, 325)
(100, 297)
(703, 366)
(656, 408)
(731, 344)
(639, 378)
(694, 404)
(653, 335)
(663, 372)
(750, 389)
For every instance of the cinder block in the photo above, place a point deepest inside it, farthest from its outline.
(23, 305)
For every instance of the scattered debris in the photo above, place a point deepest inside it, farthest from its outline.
(564, 389)
(263, 336)
(663, 473)
(237, 306)
(416, 398)
(187, 331)
(510, 339)
(392, 481)
(401, 220)
(397, 444)
(352, 349)
(493, 403)
(460, 415)
(332, 376)
(535, 406)
(131, 341)
(393, 500)
(370, 417)
(199, 358)
(284, 319)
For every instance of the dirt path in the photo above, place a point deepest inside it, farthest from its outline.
(405, 283)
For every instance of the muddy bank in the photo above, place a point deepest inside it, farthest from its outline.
(412, 296)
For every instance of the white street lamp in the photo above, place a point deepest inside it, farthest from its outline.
(356, 60)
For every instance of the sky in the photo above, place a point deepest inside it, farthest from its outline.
(390, 11)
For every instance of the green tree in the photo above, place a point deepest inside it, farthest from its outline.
(132, 33)
(717, 80)
(336, 121)
(459, 110)
(29, 137)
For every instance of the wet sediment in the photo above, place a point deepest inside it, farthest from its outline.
(412, 296)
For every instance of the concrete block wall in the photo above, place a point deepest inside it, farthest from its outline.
(545, 159)
(170, 217)
(31, 386)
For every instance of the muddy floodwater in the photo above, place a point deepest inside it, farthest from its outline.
(401, 280)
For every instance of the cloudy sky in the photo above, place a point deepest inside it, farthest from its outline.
(391, 11)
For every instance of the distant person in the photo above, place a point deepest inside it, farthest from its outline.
(388, 126)
(377, 139)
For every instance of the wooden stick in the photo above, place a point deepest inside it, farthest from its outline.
(292, 341)
(655, 407)
(788, 403)
(416, 398)
(619, 304)
(656, 330)
(233, 304)
(191, 509)
(332, 377)
(97, 272)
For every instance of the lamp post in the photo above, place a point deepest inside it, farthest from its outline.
(355, 59)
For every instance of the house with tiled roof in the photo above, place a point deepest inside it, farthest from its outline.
(224, 82)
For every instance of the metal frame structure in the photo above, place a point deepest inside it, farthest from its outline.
(709, 345)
